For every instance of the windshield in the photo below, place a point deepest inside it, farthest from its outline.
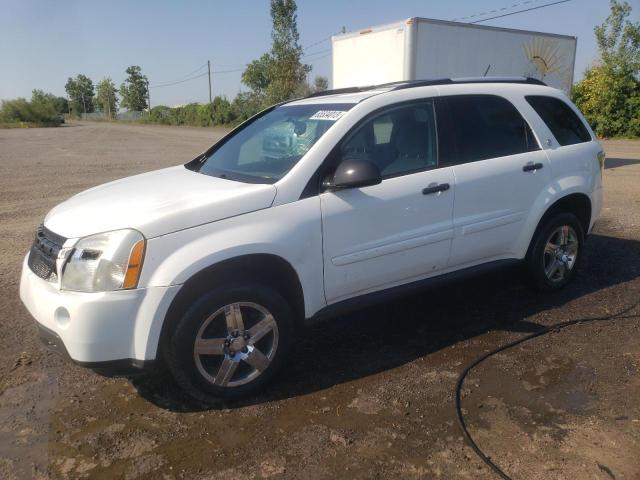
(266, 149)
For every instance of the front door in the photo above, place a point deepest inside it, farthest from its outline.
(399, 230)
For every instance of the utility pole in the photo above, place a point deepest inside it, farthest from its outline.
(210, 99)
(109, 102)
(148, 97)
(209, 71)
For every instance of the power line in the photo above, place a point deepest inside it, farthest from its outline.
(183, 77)
(315, 53)
(508, 13)
(188, 77)
(168, 84)
(320, 58)
(488, 12)
(326, 39)
(317, 43)
(312, 57)
(196, 70)
(521, 11)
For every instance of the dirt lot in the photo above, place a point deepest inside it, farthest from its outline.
(364, 396)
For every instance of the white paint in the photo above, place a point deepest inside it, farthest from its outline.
(341, 244)
(157, 203)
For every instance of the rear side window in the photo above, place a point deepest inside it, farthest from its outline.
(478, 127)
(561, 120)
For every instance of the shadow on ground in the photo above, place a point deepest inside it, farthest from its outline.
(619, 162)
(389, 335)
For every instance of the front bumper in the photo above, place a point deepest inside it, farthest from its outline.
(110, 332)
(112, 368)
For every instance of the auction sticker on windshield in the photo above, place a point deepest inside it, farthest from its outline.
(331, 115)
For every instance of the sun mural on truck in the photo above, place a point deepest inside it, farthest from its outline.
(546, 61)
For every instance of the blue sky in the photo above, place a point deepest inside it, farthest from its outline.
(44, 42)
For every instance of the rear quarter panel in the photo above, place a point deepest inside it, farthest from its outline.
(574, 168)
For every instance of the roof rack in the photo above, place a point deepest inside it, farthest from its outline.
(403, 84)
(337, 91)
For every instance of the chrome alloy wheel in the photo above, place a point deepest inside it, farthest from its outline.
(236, 344)
(560, 253)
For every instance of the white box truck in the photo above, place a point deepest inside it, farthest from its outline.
(421, 48)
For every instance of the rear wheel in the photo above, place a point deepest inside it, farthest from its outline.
(556, 251)
(230, 343)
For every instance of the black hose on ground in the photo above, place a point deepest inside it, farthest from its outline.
(558, 326)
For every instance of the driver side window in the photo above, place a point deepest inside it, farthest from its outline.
(399, 141)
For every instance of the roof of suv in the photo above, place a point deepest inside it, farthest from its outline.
(357, 94)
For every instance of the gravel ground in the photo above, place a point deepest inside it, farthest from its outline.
(364, 396)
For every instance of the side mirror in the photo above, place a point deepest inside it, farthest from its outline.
(354, 173)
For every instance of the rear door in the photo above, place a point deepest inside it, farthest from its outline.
(499, 169)
(570, 147)
(399, 230)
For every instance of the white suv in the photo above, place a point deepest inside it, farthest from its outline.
(310, 208)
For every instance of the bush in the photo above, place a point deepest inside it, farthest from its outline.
(610, 101)
(41, 111)
(219, 113)
(223, 113)
(246, 105)
(159, 114)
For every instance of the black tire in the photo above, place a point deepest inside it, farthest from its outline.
(179, 346)
(535, 260)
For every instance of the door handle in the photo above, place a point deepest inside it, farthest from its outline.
(434, 188)
(532, 167)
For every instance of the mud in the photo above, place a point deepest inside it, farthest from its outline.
(369, 395)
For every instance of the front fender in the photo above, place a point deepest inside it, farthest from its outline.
(291, 232)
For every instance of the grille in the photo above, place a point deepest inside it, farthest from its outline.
(44, 252)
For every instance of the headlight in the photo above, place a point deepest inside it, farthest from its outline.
(104, 262)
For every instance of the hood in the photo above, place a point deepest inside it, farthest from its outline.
(157, 203)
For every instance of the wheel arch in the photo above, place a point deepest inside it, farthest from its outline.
(577, 203)
(270, 269)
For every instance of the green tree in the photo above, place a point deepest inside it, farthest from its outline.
(288, 75)
(320, 84)
(619, 39)
(134, 90)
(609, 93)
(257, 74)
(40, 98)
(81, 92)
(278, 75)
(62, 105)
(106, 99)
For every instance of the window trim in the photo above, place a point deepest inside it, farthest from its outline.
(443, 99)
(314, 185)
(576, 112)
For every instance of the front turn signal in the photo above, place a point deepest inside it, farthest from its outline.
(134, 267)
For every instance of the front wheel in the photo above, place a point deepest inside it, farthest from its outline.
(556, 251)
(230, 342)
